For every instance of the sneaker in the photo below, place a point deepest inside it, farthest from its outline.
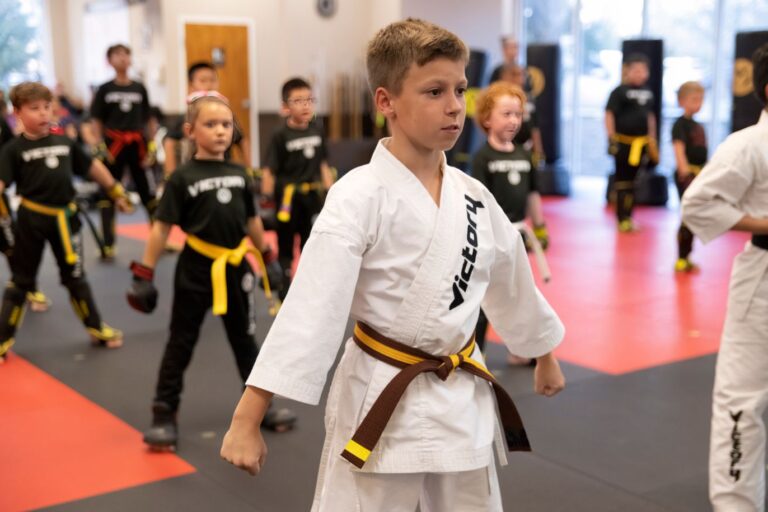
(5, 346)
(627, 226)
(106, 336)
(38, 302)
(685, 265)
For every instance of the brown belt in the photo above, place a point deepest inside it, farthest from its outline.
(415, 362)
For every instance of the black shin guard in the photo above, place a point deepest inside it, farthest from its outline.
(11, 311)
(82, 302)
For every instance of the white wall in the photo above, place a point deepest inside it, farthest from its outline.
(480, 23)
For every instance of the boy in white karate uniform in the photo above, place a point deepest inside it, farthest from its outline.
(417, 247)
(731, 193)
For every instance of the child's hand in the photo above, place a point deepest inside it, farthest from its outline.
(548, 379)
(124, 205)
(244, 447)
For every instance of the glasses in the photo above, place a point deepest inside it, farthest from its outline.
(206, 94)
(303, 102)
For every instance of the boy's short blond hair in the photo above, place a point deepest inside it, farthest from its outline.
(27, 92)
(398, 45)
(491, 95)
(689, 88)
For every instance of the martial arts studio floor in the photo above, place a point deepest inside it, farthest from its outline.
(628, 434)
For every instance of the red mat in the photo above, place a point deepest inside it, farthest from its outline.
(58, 446)
(623, 306)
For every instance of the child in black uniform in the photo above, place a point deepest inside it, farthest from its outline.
(42, 164)
(210, 199)
(690, 143)
(120, 111)
(296, 171)
(631, 127)
(36, 299)
(505, 168)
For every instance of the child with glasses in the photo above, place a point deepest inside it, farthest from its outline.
(296, 171)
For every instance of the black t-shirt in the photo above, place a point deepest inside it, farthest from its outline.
(6, 134)
(693, 136)
(42, 169)
(294, 156)
(121, 107)
(510, 176)
(530, 122)
(630, 106)
(210, 199)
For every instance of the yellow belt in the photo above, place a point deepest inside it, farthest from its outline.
(61, 215)
(636, 144)
(414, 362)
(695, 169)
(284, 215)
(221, 256)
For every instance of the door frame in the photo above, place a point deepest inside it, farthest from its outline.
(250, 25)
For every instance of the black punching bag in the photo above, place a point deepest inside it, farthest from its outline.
(746, 107)
(461, 154)
(651, 188)
(544, 74)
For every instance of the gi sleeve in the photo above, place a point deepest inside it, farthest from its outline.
(98, 107)
(273, 153)
(7, 165)
(304, 339)
(517, 310)
(81, 161)
(145, 108)
(172, 201)
(711, 202)
(614, 101)
(677, 131)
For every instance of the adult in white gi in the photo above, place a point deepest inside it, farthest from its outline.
(413, 258)
(732, 193)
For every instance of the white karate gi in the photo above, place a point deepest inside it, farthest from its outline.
(732, 184)
(383, 253)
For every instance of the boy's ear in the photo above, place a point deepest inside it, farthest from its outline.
(284, 110)
(384, 101)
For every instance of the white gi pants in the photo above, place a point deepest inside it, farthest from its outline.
(345, 490)
(737, 443)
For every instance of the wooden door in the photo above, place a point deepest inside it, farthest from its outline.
(226, 47)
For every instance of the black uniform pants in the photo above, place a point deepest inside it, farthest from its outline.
(192, 298)
(303, 210)
(34, 231)
(129, 156)
(624, 183)
(684, 235)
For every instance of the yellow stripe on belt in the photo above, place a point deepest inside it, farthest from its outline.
(284, 215)
(221, 256)
(636, 145)
(62, 218)
(414, 362)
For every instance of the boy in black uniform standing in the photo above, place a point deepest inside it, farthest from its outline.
(42, 164)
(296, 171)
(690, 143)
(120, 111)
(210, 199)
(506, 168)
(631, 127)
(36, 299)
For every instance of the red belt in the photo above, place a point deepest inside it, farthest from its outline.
(120, 139)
